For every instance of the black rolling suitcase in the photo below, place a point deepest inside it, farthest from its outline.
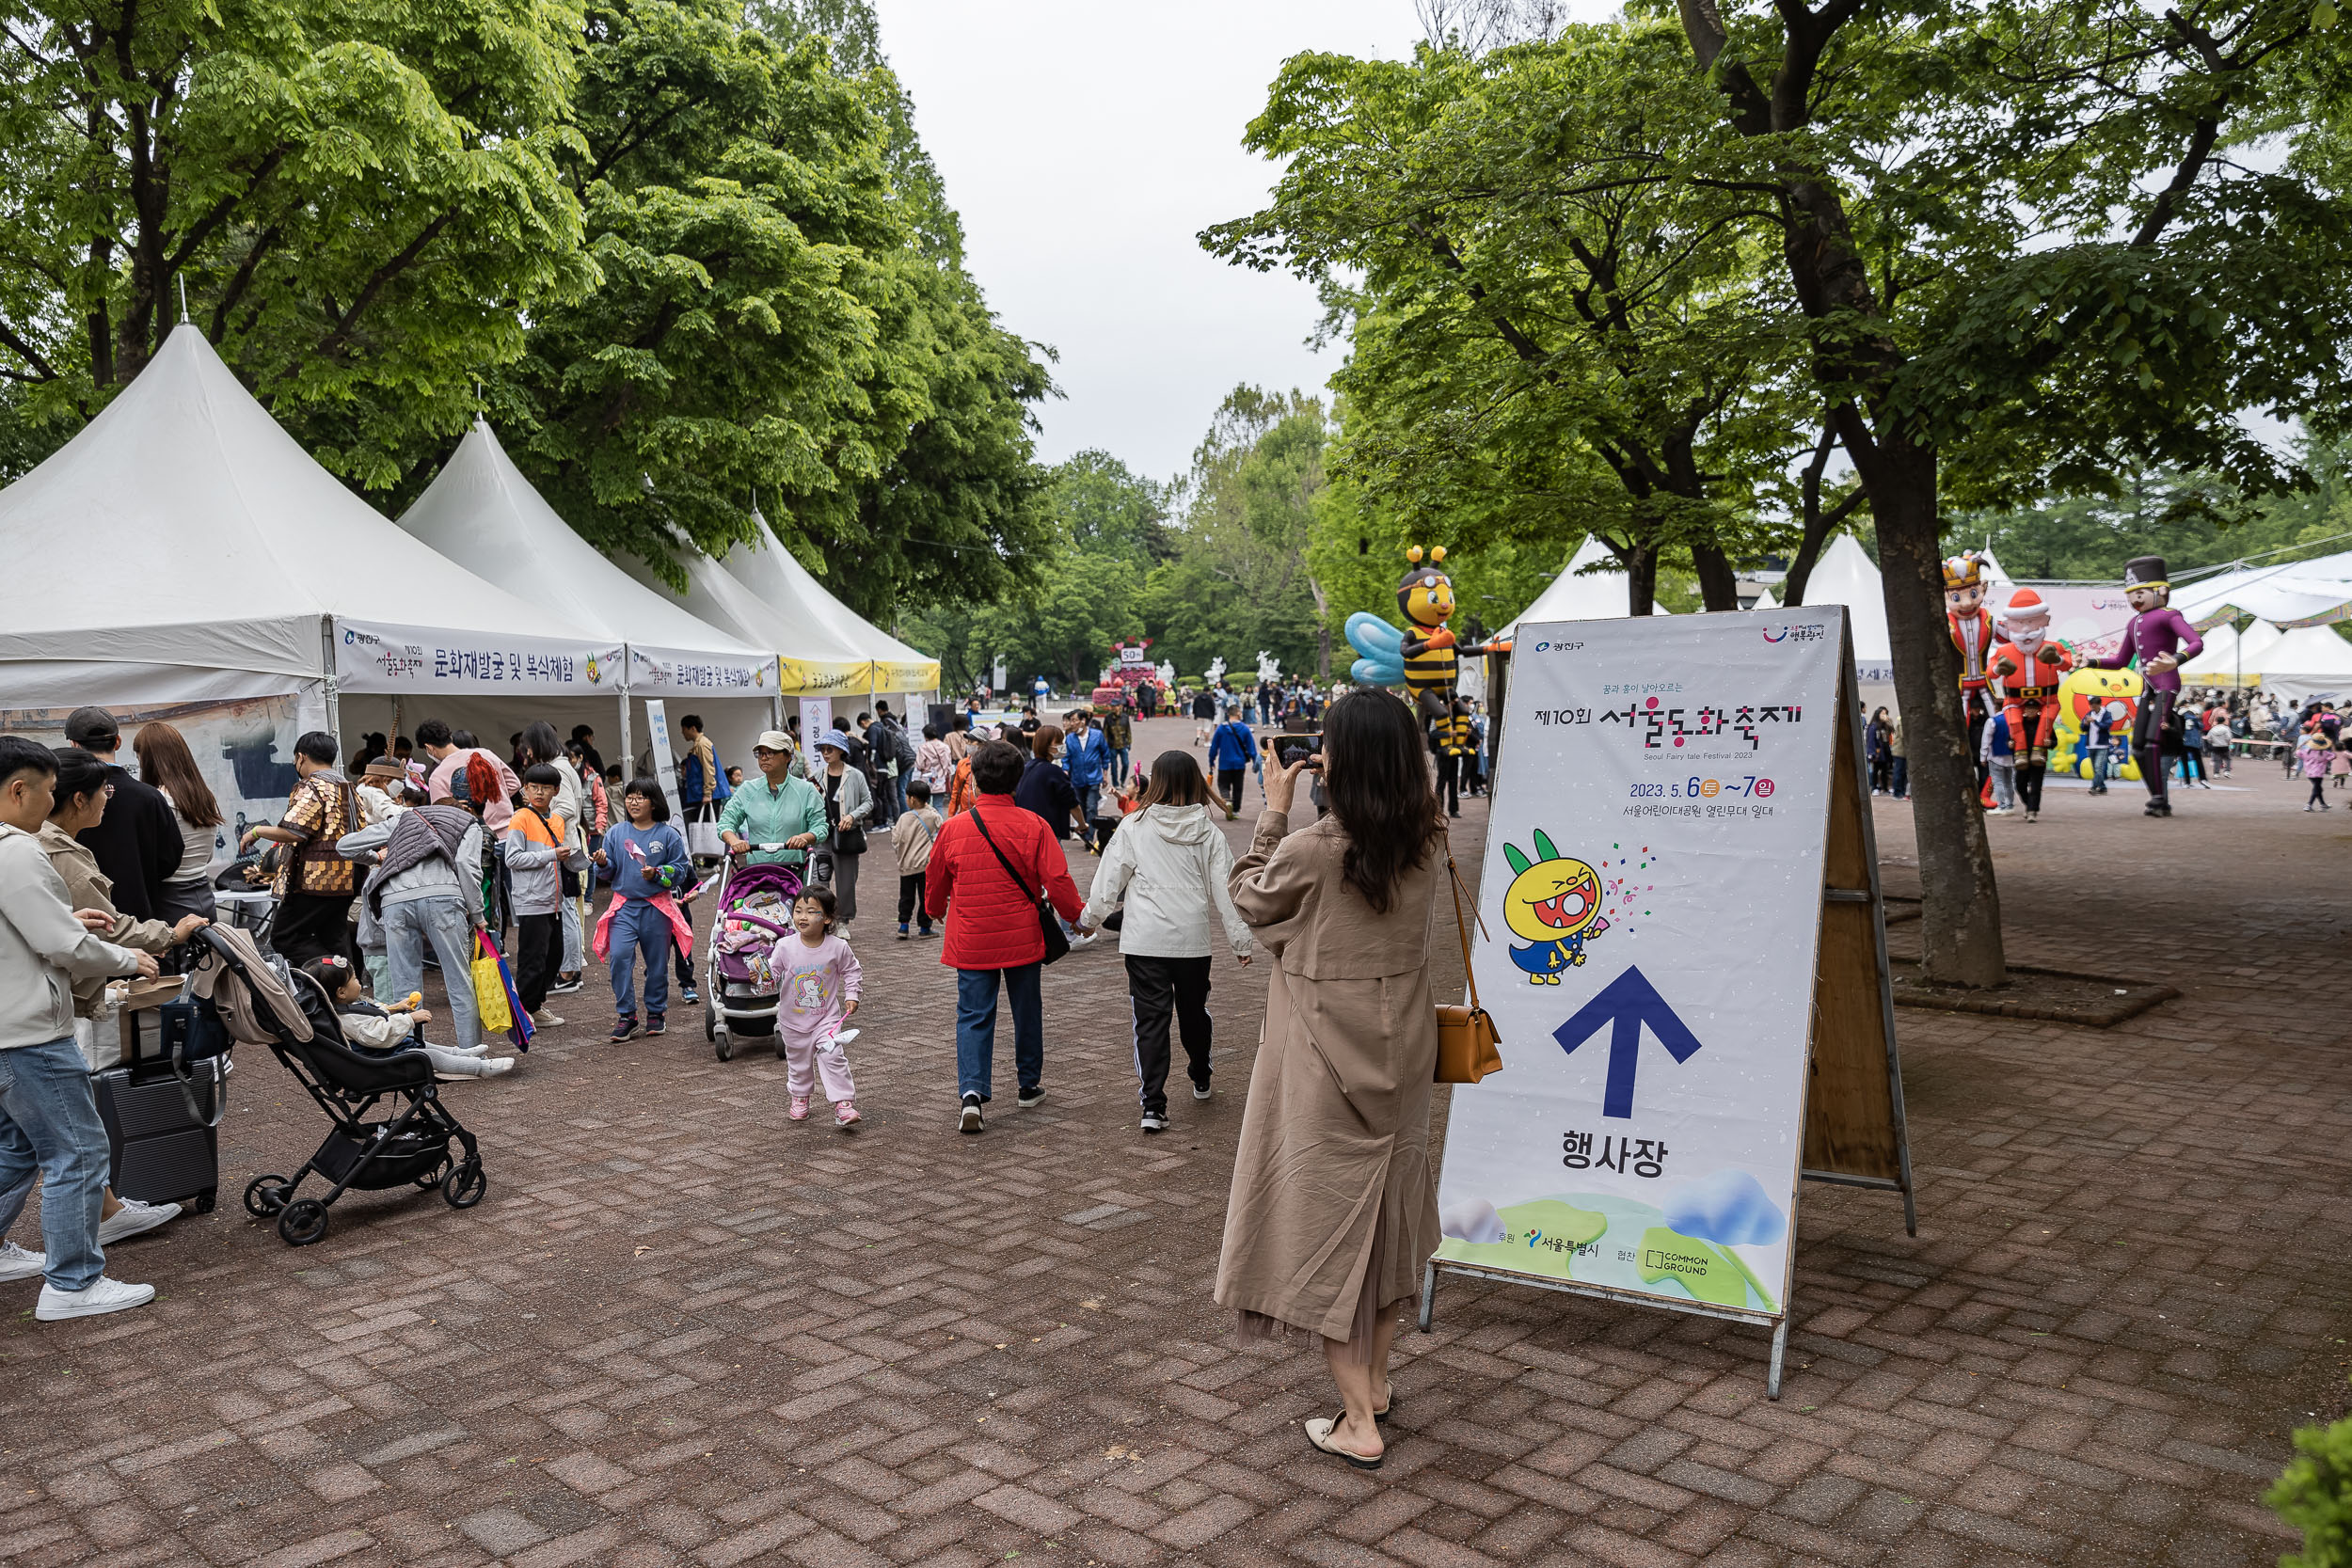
(162, 1105)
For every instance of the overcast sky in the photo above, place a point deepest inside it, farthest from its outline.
(1085, 145)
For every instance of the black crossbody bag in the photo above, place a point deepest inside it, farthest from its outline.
(1048, 923)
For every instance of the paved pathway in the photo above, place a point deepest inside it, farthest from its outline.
(682, 1331)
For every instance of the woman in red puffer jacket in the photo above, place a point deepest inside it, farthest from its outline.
(992, 935)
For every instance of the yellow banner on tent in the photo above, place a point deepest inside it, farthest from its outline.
(906, 675)
(823, 678)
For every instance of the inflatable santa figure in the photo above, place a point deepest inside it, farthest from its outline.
(2028, 668)
(1971, 634)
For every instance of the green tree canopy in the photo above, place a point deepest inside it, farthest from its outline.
(360, 201)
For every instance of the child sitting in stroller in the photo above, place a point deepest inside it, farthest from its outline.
(372, 1029)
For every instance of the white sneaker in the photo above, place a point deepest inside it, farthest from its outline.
(17, 1263)
(497, 1065)
(1201, 1091)
(107, 1295)
(132, 1218)
(1083, 941)
(482, 1050)
(546, 1020)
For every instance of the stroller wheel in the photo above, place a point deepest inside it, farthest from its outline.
(466, 1185)
(264, 1196)
(710, 1021)
(304, 1222)
(723, 1043)
(779, 1045)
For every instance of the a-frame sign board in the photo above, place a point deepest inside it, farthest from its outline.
(1688, 966)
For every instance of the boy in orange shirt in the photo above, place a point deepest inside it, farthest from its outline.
(534, 853)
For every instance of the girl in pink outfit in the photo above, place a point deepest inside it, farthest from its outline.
(820, 980)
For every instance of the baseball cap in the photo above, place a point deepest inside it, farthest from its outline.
(93, 729)
(772, 740)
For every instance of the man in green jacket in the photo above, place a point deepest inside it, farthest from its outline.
(778, 807)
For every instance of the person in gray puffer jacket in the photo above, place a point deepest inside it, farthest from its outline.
(49, 1124)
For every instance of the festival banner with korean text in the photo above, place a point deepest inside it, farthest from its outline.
(1653, 889)
(816, 719)
(375, 657)
(661, 670)
(657, 737)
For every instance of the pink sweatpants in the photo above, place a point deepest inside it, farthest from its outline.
(801, 1055)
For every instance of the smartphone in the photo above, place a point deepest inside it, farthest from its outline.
(1289, 749)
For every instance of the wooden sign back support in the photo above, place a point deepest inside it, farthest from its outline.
(1854, 1115)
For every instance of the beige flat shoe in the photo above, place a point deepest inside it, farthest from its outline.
(1319, 1430)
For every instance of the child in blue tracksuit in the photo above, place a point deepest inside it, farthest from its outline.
(645, 859)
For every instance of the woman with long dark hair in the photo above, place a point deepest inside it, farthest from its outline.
(1169, 864)
(1334, 1211)
(167, 765)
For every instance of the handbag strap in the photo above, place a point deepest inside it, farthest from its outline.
(1456, 890)
(1018, 880)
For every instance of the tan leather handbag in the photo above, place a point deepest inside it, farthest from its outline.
(1467, 1037)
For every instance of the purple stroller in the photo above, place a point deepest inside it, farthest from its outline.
(754, 912)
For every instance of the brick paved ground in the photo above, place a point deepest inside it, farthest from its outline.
(683, 1331)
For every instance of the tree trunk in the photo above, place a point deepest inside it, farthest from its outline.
(1961, 914)
(1719, 585)
(1641, 574)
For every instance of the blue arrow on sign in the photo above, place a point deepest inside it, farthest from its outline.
(1626, 1004)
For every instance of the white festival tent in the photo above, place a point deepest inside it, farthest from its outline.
(2306, 662)
(1577, 594)
(769, 570)
(1845, 575)
(202, 568)
(481, 513)
(2256, 639)
(829, 656)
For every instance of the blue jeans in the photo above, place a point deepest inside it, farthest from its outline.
(446, 923)
(1121, 759)
(639, 927)
(2099, 772)
(49, 1124)
(975, 1027)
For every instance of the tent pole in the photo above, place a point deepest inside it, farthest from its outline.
(327, 672)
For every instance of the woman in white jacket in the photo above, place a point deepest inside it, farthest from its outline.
(1170, 865)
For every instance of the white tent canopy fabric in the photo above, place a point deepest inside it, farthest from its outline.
(2306, 662)
(482, 513)
(814, 659)
(769, 570)
(1577, 594)
(1846, 576)
(2297, 593)
(219, 553)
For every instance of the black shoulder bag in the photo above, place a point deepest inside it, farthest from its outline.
(1048, 923)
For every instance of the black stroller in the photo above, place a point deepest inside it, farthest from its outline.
(262, 1002)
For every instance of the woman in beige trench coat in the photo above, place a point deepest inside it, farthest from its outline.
(1334, 1210)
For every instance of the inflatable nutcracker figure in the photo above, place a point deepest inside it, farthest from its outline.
(2027, 668)
(2161, 639)
(1971, 634)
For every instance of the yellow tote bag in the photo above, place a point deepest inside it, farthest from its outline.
(489, 990)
